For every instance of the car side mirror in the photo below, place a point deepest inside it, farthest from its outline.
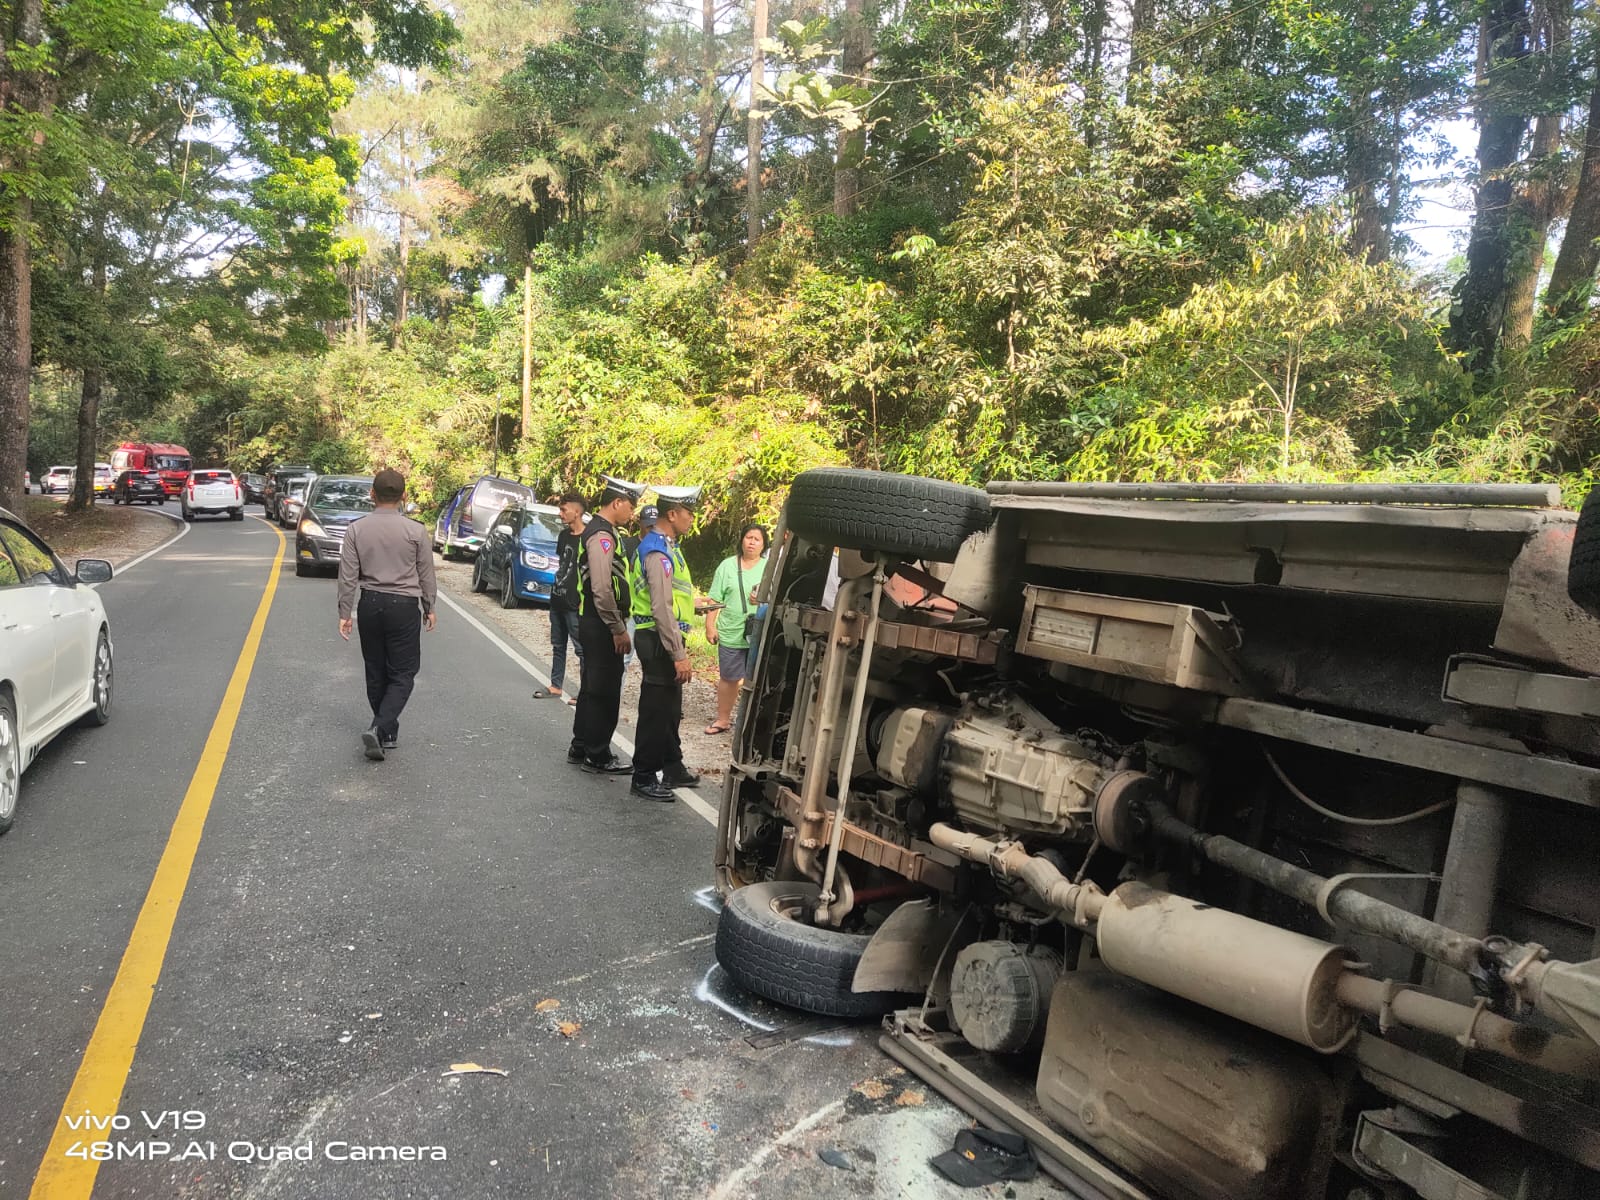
(92, 570)
(502, 529)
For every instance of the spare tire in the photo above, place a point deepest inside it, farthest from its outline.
(876, 511)
(765, 945)
(1583, 569)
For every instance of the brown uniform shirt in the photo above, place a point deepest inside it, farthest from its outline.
(386, 552)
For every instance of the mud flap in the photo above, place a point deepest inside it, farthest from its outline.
(917, 943)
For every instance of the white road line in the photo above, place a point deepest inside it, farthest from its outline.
(691, 798)
(183, 528)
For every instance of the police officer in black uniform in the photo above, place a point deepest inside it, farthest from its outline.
(604, 601)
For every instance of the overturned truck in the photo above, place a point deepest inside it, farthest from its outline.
(1232, 842)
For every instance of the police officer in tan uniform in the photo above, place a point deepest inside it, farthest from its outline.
(604, 598)
(663, 609)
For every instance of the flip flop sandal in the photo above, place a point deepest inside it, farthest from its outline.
(541, 694)
(716, 728)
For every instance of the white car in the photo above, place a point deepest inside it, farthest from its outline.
(293, 501)
(208, 490)
(57, 479)
(55, 652)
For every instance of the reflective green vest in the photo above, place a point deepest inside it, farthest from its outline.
(682, 586)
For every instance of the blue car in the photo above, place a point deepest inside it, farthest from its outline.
(517, 559)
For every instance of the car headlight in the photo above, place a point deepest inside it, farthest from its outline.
(535, 561)
(311, 527)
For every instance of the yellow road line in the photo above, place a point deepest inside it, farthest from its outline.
(97, 1087)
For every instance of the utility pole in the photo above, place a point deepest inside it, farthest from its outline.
(527, 350)
(758, 64)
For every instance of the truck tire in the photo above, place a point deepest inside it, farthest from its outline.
(876, 511)
(765, 946)
(1583, 569)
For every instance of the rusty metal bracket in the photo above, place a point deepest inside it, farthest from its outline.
(1381, 1151)
(813, 829)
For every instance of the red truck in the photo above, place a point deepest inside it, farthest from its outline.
(171, 462)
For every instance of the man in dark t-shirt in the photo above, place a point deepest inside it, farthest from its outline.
(564, 592)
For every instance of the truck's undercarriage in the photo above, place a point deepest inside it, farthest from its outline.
(1254, 831)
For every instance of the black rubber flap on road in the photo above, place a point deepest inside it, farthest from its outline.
(984, 1156)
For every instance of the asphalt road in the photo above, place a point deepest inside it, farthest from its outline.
(349, 930)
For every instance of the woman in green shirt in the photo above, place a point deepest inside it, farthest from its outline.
(734, 587)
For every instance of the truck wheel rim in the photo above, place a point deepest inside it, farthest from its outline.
(10, 765)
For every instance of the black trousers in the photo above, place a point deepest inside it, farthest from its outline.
(600, 701)
(660, 706)
(391, 645)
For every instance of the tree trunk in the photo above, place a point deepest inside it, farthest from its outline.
(1572, 278)
(1478, 314)
(856, 54)
(527, 348)
(93, 371)
(710, 100)
(1141, 18)
(1529, 231)
(88, 434)
(1546, 192)
(16, 362)
(21, 94)
(1365, 162)
(758, 30)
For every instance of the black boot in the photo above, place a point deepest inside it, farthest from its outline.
(576, 754)
(612, 764)
(648, 787)
(372, 745)
(677, 775)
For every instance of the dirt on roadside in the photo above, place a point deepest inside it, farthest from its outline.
(530, 627)
(106, 531)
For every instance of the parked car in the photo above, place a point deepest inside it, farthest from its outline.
(293, 500)
(55, 652)
(331, 503)
(57, 479)
(143, 487)
(213, 491)
(518, 558)
(1247, 835)
(466, 516)
(278, 477)
(171, 461)
(255, 487)
(105, 479)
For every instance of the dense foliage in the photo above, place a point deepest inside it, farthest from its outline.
(1025, 238)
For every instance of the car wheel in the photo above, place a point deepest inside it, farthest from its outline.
(479, 583)
(10, 761)
(508, 589)
(302, 570)
(188, 516)
(104, 677)
(1583, 568)
(236, 515)
(879, 512)
(765, 945)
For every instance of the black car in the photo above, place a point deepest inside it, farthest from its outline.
(255, 487)
(278, 476)
(143, 487)
(332, 502)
